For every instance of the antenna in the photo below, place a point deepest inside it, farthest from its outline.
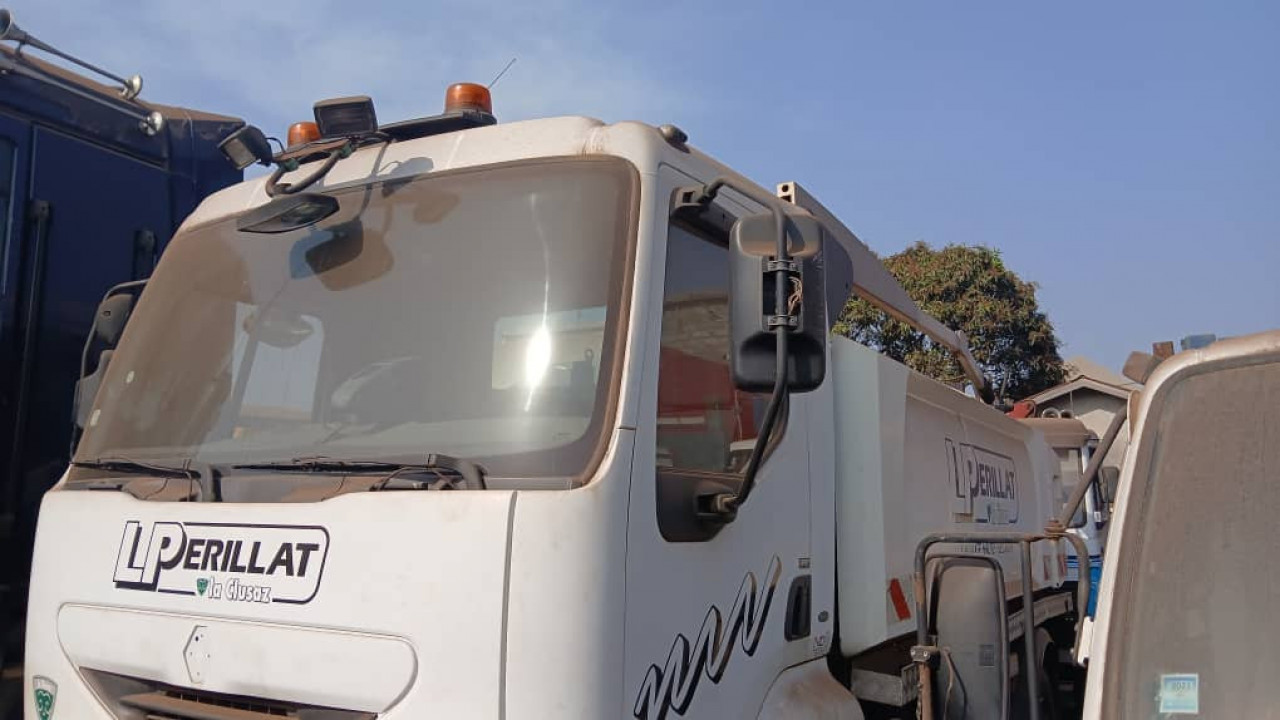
(499, 76)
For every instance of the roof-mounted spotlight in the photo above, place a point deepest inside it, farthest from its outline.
(346, 117)
(245, 147)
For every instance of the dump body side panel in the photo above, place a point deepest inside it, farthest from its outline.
(916, 457)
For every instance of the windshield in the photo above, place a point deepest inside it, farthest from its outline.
(471, 313)
(1194, 630)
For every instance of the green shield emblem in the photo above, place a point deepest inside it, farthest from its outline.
(202, 584)
(46, 693)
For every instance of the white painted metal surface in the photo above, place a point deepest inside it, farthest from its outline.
(809, 691)
(915, 457)
(241, 658)
(1101, 643)
(385, 577)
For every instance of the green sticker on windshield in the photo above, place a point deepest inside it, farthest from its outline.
(1180, 694)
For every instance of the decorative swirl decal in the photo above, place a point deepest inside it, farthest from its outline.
(673, 686)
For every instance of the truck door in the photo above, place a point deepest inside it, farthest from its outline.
(707, 618)
(95, 218)
(15, 137)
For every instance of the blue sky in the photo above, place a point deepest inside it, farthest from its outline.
(1125, 156)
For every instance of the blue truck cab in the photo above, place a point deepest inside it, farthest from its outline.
(88, 199)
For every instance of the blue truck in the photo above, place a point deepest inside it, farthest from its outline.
(93, 183)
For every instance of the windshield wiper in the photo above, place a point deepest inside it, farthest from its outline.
(206, 476)
(446, 472)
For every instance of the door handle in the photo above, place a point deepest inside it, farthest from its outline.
(799, 608)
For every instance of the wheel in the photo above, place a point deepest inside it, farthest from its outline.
(1046, 689)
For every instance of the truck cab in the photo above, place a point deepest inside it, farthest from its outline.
(1074, 444)
(1186, 615)
(458, 431)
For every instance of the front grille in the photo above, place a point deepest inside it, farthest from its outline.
(192, 706)
(137, 698)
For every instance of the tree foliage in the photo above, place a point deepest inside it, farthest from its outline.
(968, 288)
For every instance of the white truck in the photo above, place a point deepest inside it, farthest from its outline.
(1074, 445)
(445, 418)
(1186, 621)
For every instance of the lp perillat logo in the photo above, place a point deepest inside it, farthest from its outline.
(46, 693)
(223, 561)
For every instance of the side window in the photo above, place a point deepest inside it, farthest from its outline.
(703, 422)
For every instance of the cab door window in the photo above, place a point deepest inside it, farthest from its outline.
(704, 423)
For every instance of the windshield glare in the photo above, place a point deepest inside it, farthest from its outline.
(471, 313)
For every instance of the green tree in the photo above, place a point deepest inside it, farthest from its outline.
(968, 288)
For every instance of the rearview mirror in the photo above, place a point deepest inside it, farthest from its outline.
(108, 326)
(752, 244)
(278, 328)
(113, 313)
(1109, 483)
(967, 615)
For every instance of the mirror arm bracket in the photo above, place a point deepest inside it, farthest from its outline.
(723, 507)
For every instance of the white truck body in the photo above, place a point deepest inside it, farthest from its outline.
(916, 457)
(546, 598)
(1186, 612)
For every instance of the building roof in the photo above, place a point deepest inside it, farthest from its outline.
(1085, 374)
(1081, 366)
(1081, 383)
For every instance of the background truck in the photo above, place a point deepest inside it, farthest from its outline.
(1074, 445)
(446, 417)
(1186, 616)
(93, 182)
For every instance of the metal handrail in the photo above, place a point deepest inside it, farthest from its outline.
(923, 653)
